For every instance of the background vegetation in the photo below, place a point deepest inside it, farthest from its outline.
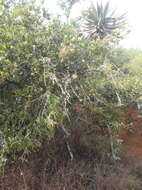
(65, 78)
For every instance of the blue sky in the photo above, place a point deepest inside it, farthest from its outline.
(133, 8)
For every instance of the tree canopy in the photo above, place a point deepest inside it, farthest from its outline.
(47, 66)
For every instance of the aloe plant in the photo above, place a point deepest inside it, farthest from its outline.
(100, 21)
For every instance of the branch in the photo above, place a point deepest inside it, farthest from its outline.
(9, 82)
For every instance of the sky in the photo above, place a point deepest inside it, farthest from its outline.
(133, 8)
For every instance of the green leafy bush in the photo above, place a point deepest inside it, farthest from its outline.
(46, 65)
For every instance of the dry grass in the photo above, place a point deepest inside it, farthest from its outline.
(52, 169)
(91, 169)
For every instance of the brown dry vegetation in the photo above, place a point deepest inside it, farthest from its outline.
(52, 169)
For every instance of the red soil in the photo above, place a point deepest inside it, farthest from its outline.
(132, 140)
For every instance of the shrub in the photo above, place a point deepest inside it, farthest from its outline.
(46, 66)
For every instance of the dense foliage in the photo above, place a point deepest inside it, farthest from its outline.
(46, 67)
